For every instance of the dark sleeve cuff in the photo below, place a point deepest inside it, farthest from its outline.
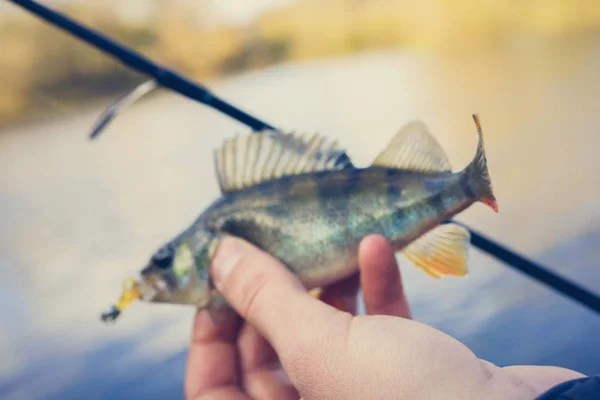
(587, 388)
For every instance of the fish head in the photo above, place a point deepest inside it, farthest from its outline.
(175, 273)
(158, 276)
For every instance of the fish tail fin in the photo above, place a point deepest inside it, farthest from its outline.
(478, 176)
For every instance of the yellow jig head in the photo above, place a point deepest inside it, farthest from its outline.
(129, 295)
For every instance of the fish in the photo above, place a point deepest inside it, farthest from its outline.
(300, 199)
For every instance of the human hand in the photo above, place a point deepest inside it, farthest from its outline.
(328, 353)
(233, 360)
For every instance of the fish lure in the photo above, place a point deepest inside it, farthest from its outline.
(297, 198)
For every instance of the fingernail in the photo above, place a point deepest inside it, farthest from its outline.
(227, 254)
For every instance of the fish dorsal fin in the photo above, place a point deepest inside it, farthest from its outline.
(246, 160)
(441, 251)
(414, 148)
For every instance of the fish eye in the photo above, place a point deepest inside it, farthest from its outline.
(163, 257)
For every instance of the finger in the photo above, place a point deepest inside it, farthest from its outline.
(380, 278)
(223, 393)
(343, 295)
(255, 351)
(262, 374)
(265, 293)
(212, 357)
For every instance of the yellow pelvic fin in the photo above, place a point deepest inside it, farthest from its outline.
(414, 148)
(441, 251)
(316, 293)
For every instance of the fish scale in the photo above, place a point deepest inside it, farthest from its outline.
(312, 213)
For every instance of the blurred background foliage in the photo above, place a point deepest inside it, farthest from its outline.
(38, 63)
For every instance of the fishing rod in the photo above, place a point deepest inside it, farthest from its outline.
(162, 76)
(136, 61)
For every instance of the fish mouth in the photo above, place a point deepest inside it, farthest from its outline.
(491, 202)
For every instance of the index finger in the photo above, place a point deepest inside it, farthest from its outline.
(380, 278)
(212, 357)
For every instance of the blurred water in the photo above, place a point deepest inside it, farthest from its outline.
(78, 217)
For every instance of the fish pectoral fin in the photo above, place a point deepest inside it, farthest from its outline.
(414, 148)
(441, 251)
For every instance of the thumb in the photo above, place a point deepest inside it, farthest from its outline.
(269, 296)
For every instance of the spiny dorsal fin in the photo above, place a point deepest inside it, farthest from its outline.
(414, 148)
(441, 251)
(246, 160)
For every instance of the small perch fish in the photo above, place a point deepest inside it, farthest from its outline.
(298, 199)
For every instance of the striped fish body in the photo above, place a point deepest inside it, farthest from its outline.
(314, 222)
(299, 200)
